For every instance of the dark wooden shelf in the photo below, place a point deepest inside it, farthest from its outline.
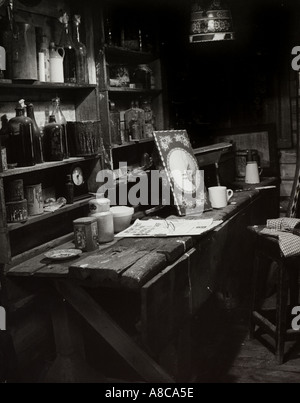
(127, 90)
(46, 216)
(11, 84)
(129, 55)
(41, 167)
(132, 143)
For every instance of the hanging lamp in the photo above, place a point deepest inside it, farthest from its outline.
(211, 23)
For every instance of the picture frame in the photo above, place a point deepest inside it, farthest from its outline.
(185, 179)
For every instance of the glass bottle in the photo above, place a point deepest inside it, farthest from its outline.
(69, 190)
(60, 119)
(37, 141)
(149, 120)
(7, 27)
(53, 141)
(67, 44)
(21, 138)
(2, 62)
(81, 54)
(115, 122)
(45, 49)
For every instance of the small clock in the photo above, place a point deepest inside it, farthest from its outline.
(79, 179)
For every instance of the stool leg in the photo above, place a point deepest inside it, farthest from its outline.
(255, 295)
(282, 302)
(294, 285)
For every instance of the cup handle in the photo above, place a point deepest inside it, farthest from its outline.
(230, 194)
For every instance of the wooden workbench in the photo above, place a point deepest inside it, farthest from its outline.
(171, 277)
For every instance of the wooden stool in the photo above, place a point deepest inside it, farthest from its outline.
(287, 286)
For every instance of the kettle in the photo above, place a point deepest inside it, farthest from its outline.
(56, 64)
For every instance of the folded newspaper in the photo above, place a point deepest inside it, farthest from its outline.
(168, 228)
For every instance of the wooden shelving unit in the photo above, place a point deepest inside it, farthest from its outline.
(46, 216)
(81, 99)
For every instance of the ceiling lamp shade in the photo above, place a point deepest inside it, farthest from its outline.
(211, 24)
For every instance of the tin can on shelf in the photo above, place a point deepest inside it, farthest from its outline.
(17, 211)
(86, 234)
(34, 197)
(15, 191)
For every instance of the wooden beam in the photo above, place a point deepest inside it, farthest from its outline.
(84, 304)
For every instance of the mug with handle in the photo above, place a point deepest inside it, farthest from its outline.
(219, 196)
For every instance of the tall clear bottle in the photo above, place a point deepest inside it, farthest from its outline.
(37, 138)
(61, 120)
(7, 28)
(66, 42)
(81, 53)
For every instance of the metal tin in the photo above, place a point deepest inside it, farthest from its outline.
(4, 159)
(15, 191)
(34, 196)
(86, 234)
(17, 211)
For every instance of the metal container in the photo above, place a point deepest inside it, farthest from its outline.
(86, 234)
(85, 137)
(17, 211)
(241, 159)
(15, 191)
(34, 196)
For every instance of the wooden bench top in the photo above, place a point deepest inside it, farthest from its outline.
(128, 263)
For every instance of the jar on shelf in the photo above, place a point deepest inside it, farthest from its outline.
(143, 77)
(115, 124)
(53, 141)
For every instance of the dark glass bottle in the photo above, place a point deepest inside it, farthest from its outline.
(60, 119)
(69, 190)
(21, 138)
(81, 54)
(67, 44)
(37, 140)
(53, 142)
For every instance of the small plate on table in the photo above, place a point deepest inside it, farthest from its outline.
(63, 254)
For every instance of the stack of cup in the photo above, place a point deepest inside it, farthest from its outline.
(16, 206)
(100, 209)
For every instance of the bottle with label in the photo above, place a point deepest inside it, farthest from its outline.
(21, 137)
(149, 120)
(52, 140)
(69, 190)
(7, 27)
(81, 54)
(115, 124)
(131, 125)
(60, 119)
(37, 140)
(2, 62)
(141, 120)
(66, 42)
(44, 60)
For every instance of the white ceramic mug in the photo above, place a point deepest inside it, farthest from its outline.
(252, 173)
(219, 196)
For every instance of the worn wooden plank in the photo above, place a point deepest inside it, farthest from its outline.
(165, 305)
(148, 369)
(143, 270)
(107, 266)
